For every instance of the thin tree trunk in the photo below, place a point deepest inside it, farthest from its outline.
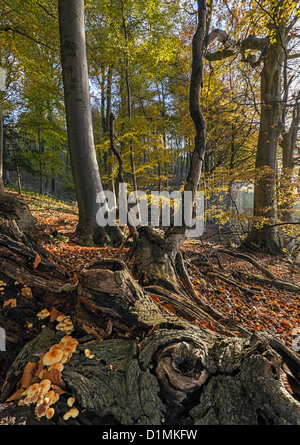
(129, 109)
(110, 167)
(158, 260)
(288, 144)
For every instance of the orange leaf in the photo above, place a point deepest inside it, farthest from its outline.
(54, 375)
(40, 366)
(54, 314)
(28, 374)
(15, 396)
(154, 298)
(37, 261)
(26, 292)
(12, 302)
(169, 308)
(57, 389)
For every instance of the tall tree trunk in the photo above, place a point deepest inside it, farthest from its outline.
(287, 184)
(1, 147)
(79, 120)
(110, 167)
(288, 144)
(129, 108)
(267, 148)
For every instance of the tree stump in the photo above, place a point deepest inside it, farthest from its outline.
(15, 209)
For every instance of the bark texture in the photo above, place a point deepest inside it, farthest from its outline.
(79, 122)
(165, 370)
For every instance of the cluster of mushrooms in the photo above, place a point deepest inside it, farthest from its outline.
(44, 393)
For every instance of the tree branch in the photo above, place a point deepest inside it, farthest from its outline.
(231, 47)
(22, 33)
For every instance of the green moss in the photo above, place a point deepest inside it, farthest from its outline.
(86, 242)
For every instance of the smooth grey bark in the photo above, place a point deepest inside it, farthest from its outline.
(79, 119)
(272, 55)
(1, 147)
(129, 107)
(110, 167)
(288, 145)
(270, 129)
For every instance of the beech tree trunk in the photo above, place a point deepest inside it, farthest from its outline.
(288, 144)
(267, 148)
(79, 121)
(1, 147)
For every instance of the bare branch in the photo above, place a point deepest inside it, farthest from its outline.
(22, 33)
(231, 47)
(293, 56)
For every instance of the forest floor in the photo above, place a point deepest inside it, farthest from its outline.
(266, 308)
(269, 309)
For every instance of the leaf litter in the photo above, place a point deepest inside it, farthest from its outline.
(268, 309)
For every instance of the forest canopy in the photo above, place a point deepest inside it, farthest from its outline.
(139, 61)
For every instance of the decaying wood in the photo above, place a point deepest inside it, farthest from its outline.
(178, 372)
(19, 252)
(15, 209)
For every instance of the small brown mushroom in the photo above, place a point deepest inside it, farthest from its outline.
(50, 413)
(73, 412)
(43, 314)
(52, 357)
(71, 401)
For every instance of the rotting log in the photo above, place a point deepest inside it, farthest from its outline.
(13, 208)
(155, 368)
(21, 257)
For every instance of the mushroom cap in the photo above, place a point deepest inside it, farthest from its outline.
(32, 389)
(66, 338)
(44, 313)
(53, 399)
(73, 412)
(70, 401)
(52, 357)
(31, 398)
(41, 407)
(56, 346)
(70, 345)
(50, 413)
(68, 351)
(49, 394)
(44, 386)
(58, 366)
